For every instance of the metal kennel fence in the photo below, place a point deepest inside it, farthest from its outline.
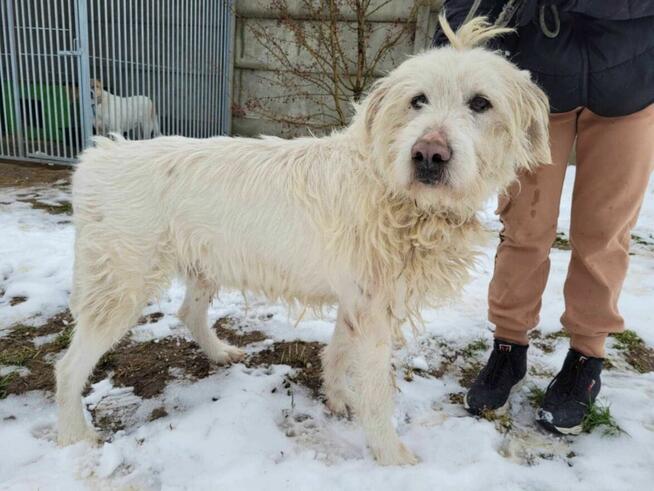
(74, 68)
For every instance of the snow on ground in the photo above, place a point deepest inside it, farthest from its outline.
(245, 427)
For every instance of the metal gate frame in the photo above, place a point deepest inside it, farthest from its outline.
(77, 62)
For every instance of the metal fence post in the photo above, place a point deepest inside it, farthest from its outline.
(13, 52)
(228, 79)
(82, 18)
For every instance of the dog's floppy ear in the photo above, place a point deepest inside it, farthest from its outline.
(373, 102)
(531, 109)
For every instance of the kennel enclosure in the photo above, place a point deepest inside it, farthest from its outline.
(164, 59)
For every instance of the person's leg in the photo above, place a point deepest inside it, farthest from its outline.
(529, 214)
(615, 157)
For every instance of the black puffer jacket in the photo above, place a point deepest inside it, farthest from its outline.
(593, 53)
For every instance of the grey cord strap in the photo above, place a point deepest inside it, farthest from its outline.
(508, 12)
(543, 22)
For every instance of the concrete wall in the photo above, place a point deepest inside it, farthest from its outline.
(257, 73)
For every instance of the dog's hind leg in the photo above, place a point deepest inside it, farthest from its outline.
(104, 308)
(336, 361)
(90, 341)
(373, 384)
(193, 313)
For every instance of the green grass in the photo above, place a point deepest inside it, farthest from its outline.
(627, 340)
(62, 341)
(474, 347)
(5, 380)
(557, 335)
(599, 416)
(18, 356)
(536, 396)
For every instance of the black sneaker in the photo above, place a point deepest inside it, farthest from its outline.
(570, 394)
(491, 389)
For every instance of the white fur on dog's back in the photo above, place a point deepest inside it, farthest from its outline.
(220, 207)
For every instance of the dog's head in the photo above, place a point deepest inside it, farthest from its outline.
(96, 91)
(449, 127)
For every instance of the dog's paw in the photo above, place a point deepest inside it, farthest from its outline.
(228, 354)
(396, 454)
(88, 435)
(337, 406)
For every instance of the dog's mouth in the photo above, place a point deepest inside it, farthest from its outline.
(432, 176)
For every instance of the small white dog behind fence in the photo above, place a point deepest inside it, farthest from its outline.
(379, 218)
(115, 114)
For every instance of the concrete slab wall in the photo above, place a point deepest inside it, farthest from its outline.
(265, 92)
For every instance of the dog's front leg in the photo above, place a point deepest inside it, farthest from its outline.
(374, 388)
(337, 364)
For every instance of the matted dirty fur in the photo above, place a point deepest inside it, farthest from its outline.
(339, 219)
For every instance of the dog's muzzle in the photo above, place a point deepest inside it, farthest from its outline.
(430, 155)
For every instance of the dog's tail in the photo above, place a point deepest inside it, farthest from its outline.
(473, 33)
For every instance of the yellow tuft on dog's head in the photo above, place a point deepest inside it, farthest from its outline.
(473, 33)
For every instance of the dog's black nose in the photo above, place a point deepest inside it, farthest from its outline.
(429, 155)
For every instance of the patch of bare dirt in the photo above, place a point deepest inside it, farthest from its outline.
(144, 366)
(157, 413)
(301, 355)
(147, 366)
(17, 300)
(641, 358)
(26, 175)
(61, 208)
(150, 318)
(635, 351)
(17, 349)
(456, 398)
(561, 242)
(227, 331)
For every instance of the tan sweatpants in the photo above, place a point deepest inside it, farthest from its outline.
(615, 157)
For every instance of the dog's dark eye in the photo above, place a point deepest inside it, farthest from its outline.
(418, 101)
(479, 104)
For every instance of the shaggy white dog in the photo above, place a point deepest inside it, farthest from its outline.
(379, 218)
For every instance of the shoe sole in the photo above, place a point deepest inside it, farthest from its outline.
(502, 410)
(572, 431)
